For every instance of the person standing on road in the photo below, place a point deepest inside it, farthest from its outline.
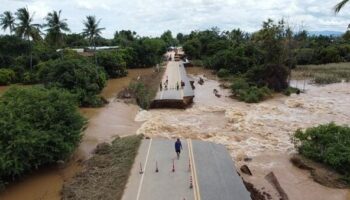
(178, 148)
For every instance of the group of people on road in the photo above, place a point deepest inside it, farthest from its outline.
(166, 83)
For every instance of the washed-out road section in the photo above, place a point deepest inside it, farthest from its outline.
(204, 171)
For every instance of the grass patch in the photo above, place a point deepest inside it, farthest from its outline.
(145, 89)
(323, 74)
(106, 173)
(328, 144)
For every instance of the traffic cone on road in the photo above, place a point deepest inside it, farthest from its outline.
(191, 183)
(173, 166)
(141, 172)
(157, 170)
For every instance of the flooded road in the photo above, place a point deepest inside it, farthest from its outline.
(259, 131)
(115, 119)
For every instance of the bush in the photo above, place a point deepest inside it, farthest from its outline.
(328, 144)
(78, 76)
(238, 85)
(222, 73)
(291, 90)
(249, 93)
(29, 78)
(7, 76)
(113, 63)
(38, 126)
(143, 94)
(254, 94)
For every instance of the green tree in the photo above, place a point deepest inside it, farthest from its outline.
(167, 37)
(180, 37)
(124, 37)
(77, 75)
(7, 76)
(55, 28)
(7, 21)
(340, 5)
(26, 29)
(37, 127)
(193, 48)
(328, 144)
(92, 29)
(75, 40)
(113, 63)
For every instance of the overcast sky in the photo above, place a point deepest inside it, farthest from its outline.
(152, 17)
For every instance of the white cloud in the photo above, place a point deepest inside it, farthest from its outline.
(152, 17)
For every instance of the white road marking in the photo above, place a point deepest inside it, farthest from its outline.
(144, 171)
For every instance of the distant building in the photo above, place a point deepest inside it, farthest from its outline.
(89, 51)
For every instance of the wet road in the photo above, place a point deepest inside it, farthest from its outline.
(213, 178)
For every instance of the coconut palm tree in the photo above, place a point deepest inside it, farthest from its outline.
(92, 31)
(55, 27)
(26, 29)
(340, 5)
(7, 21)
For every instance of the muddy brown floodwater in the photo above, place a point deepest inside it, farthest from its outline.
(115, 119)
(259, 131)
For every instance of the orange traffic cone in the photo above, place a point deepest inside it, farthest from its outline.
(141, 172)
(173, 166)
(157, 170)
(191, 183)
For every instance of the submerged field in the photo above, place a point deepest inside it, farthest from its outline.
(323, 74)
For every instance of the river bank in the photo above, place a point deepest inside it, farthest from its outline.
(115, 119)
(260, 132)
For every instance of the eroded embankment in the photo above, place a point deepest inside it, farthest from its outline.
(258, 131)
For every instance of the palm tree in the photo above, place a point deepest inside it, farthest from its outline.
(340, 5)
(7, 21)
(92, 31)
(26, 29)
(55, 26)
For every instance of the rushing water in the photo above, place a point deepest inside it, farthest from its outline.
(115, 119)
(260, 131)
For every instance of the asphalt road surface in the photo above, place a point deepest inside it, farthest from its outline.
(204, 171)
(175, 72)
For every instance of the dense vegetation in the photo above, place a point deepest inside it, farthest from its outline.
(260, 61)
(263, 59)
(38, 126)
(106, 172)
(78, 76)
(328, 144)
(29, 57)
